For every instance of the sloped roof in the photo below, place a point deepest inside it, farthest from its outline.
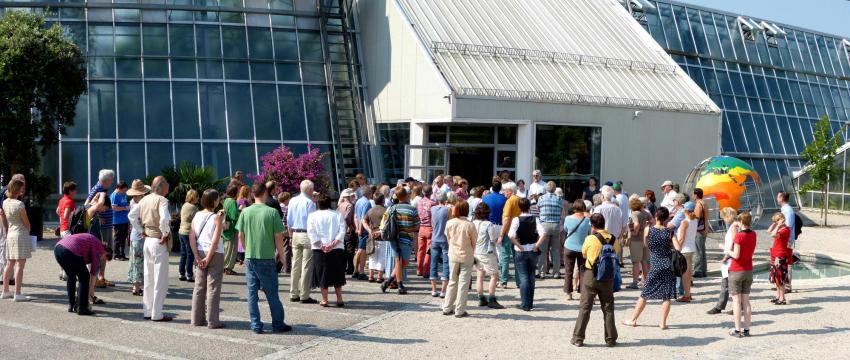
(570, 51)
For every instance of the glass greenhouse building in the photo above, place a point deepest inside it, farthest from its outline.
(773, 82)
(211, 82)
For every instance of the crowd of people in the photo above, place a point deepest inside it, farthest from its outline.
(452, 231)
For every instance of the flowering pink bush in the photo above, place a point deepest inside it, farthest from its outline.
(288, 170)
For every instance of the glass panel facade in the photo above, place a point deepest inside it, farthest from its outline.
(770, 94)
(206, 86)
(574, 154)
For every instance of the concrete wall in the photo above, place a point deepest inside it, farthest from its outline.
(642, 151)
(403, 81)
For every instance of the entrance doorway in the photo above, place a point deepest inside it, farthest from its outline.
(475, 164)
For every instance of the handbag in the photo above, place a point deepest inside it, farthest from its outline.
(680, 264)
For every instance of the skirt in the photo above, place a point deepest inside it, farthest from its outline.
(18, 245)
(136, 265)
(779, 271)
(328, 268)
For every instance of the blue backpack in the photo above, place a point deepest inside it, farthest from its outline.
(608, 262)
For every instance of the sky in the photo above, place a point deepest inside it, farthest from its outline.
(829, 16)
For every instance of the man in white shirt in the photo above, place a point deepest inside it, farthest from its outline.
(151, 218)
(622, 200)
(611, 212)
(299, 209)
(669, 195)
(537, 187)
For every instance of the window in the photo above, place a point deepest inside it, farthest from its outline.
(158, 110)
(160, 155)
(318, 113)
(127, 40)
(131, 157)
(233, 40)
(748, 28)
(182, 40)
(212, 111)
(239, 111)
(292, 112)
(260, 42)
(190, 152)
(572, 154)
(285, 45)
(215, 155)
(209, 42)
(265, 112)
(102, 109)
(130, 122)
(185, 109)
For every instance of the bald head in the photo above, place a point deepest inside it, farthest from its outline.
(159, 185)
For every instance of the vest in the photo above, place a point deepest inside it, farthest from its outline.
(526, 233)
(149, 210)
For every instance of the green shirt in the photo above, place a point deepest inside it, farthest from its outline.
(231, 212)
(259, 224)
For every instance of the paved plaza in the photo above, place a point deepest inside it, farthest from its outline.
(386, 326)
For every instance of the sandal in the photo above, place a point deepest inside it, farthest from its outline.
(323, 304)
(97, 301)
(630, 323)
(780, 302)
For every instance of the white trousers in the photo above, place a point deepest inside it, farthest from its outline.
(156, 278)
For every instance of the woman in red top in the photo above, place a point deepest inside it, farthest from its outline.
(741, 274)
(66, 208)
(780, 256)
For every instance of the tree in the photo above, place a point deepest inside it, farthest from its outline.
(187, 177)
(820, 157)
(42, 75)
(288, 170)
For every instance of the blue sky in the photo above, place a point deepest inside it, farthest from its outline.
(829, 16)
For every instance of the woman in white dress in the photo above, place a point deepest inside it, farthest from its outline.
(18, 245)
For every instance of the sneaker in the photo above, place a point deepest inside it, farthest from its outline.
(736, 333)
(448, 312)
(493, 304)
(435, 294)
(518, 306)
(746, 333)
(7, 295)
(461, 315)
(22, 298)
(294, 299)
(355, 276)
(713, 311)
(284, 329)
(190, 279)
(577, 343)
(442, 295)
(482, 302)
(402, 290)
(182, 278)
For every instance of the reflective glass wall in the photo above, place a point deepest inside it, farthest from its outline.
(212, 82)
(772, 89)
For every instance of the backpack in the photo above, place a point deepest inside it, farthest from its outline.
(798, 225)
(391, 230)
(607, 264)
(78, 221)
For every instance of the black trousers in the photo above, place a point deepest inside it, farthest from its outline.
(120, 239)
(350, 243)
(75, 270)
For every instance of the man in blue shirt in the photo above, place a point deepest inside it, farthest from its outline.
(361, 207)
(302, 251)
(104, 182)
(120, 209)
(496, 201)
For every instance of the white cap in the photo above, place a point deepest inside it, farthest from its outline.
(346, 193)
(667, 183)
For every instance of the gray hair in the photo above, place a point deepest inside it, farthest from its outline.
(607, 192)
(509, 186)
(452, 197)
(551, 186)
(442, 197)
(105, 174)
(680, 198)
(307, 186)
(559, 192)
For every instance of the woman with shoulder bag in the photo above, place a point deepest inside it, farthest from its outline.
(577, 227)
(372, 221)
(207, 248)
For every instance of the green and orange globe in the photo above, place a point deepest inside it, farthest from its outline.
(730, 181)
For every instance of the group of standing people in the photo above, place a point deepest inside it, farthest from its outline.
(374, 232)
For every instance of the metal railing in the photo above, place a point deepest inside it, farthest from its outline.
(532, 54)
(548, 96)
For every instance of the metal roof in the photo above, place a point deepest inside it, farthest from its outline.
(567, 51)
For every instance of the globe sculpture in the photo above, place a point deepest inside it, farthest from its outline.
(726, 182)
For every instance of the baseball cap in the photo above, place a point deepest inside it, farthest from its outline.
(617, 187)
(690, 206)
(609, 183)
(667, 183)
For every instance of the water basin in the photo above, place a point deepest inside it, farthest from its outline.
(804, 270)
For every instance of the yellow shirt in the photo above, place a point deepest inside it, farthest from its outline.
(593, 247)
(510, 211)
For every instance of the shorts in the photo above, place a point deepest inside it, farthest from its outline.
(740, 282)
(363, 240)
(637, 252)
(401, 249)
(487, 263)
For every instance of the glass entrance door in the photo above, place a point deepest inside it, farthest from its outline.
(426, 161)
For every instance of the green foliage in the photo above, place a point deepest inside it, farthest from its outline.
(186, 177)
(42, 75)
(820, 156)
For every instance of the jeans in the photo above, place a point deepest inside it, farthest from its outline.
(263, 273)
(525, 263)
(700, 266)
(75, 270)
(506, 252)
(439, 253)
(723, 298)
(187, 258)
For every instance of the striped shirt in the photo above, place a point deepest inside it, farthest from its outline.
(105, 215)
(408, 221)
(550, 206)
